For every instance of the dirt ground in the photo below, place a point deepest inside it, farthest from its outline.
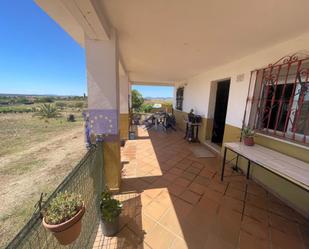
(35, 156)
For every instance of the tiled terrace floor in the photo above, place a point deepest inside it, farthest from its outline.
(174, 200)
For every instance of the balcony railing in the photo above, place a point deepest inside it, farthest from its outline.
(85, 179)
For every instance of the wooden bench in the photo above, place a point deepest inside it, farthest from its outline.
(289, 168)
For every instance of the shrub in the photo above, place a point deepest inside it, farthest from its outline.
(48, 111)
(79, 105)
(15, 109)
(62, 208)
(146, 108)
(61, 104)
(110, 207)
(44, 99)
(71, 118)
(22, 100)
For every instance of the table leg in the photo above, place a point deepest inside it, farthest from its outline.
(186, 132)
(223, 164)
(196, 136)
(248, 169)
(236, 166)
(191, 133)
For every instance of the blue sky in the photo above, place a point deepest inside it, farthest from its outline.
(155, 91)
(38, 57)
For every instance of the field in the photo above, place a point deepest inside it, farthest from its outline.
(35, 156)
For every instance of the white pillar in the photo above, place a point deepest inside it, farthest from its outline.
(103, 86)
(130, 94)
(103, 103)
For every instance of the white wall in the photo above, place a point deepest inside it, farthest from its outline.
(197, 90)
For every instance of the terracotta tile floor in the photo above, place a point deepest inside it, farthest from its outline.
(174, 200)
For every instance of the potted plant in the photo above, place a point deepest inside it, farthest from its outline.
(63, 217)
(110, 211)
(248, 136)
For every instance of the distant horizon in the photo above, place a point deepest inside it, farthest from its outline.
(59, 95)
(44, 95)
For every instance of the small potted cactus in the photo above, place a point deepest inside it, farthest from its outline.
(110, 211)
(248, 136)
(63, 217)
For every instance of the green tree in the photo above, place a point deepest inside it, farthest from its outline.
(146, 108)
(137, 100)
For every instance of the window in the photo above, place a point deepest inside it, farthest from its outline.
(280, 104)
(179, 98)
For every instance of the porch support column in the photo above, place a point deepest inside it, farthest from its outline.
(103, 104)
(130, 96)
(124, 106)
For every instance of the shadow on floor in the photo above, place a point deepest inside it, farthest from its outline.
(174, 200)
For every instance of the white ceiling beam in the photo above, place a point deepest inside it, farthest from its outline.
(78, 18)
(90, 16)
(60, 14)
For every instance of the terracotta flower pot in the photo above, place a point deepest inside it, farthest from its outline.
(68, 231)
(249, 141)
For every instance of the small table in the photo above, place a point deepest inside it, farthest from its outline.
(289, 168)
(192, 131)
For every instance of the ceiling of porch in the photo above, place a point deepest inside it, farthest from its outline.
(171, 40)
(168, 40)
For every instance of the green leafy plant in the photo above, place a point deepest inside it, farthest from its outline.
(146, 108)
(48, 111)
(247, 132)
(137, 99)
(62, 208)
(110, 207)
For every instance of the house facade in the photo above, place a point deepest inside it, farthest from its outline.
(199, 94)
(217, 54)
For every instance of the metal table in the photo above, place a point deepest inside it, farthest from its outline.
(289, 168)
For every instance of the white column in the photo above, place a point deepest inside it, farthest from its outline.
(103, 103)
(103, 86)
(130, 94)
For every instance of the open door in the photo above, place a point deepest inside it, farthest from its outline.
(222, 97)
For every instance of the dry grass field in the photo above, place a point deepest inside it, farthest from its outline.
(35, 156)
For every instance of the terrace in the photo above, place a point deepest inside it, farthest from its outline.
(223, 60)
(172, 199)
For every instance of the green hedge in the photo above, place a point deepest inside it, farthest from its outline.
(16, 109)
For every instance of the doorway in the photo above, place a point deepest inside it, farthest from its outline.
(222, 96)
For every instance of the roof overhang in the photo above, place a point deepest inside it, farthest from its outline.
(168, 41)
(78, 18)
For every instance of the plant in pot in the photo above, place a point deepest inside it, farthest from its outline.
(110, 211)
(248, 136)
(63, 217)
